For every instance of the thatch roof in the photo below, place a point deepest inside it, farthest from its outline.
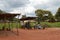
(28, 18)
(7, 16)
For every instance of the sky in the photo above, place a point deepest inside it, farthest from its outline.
(28, 7)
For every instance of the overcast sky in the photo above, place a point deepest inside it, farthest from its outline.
(28, 7)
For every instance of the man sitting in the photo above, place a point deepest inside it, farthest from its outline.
(37, 26)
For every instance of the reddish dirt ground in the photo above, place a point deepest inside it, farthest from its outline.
(46, 34)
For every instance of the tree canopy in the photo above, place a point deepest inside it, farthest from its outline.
(2, 11)
(43, 15)
(57, 15)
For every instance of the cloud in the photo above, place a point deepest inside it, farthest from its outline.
(9, 5)
(29, 6)
(27, 9)
(17, 3)
(38, 2)
(51, 5)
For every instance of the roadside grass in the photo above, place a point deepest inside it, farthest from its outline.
(15, 25)
(11, 25)
(49, 24)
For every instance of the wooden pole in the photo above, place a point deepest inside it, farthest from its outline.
(17, 25)
(9, 25)
(5, 25)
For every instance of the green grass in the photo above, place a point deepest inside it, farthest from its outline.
(12, 25)
(48, 24)
(15, 25)
(55, 24)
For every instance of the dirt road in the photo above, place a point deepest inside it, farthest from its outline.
(47, 34)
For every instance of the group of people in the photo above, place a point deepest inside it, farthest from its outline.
(38, 26)
(28, 26)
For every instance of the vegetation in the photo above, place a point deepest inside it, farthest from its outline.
(11, 25)
(49, 24)
(57, 16)
(2, 12)
(44, 15)
(47, 15)
(14, 25)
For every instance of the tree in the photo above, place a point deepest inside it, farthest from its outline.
(39, 14)
(50, 15)
(57, 15)
(23, 16)
(2, 12)
(44, 15)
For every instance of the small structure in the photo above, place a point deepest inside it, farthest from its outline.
(27, 20)
(5, 18)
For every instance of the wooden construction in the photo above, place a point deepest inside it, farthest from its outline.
(8, 16)
(28, 18)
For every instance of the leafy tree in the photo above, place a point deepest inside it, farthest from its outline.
(43, 15)
(23, 16)
(50, 15)
(39, 13)
(57, 15)
(2, 12)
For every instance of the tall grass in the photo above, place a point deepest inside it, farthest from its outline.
(55, 24)
(15, 25)
(11, 25)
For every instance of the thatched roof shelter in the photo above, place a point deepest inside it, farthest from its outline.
(28, 18)
(7, 16)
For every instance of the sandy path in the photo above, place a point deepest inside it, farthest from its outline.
(47, 34)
